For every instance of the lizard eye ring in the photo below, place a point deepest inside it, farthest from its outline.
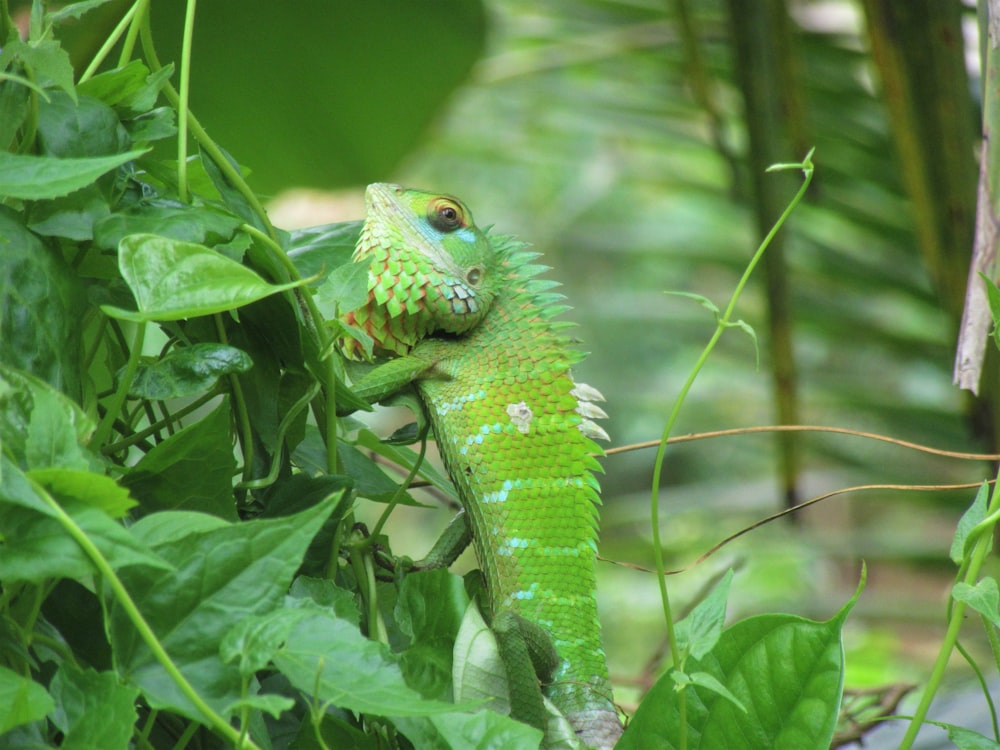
(445, 215)
(474, 276)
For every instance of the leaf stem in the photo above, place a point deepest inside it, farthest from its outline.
(155, 427)
(723, 322)
(240, 404)
(364, 572)
(5, 23)
(103, 431)
(332, 460)
(398, 494)
(279, 438)
(213, 719)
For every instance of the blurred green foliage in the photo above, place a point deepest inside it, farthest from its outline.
(314, 92)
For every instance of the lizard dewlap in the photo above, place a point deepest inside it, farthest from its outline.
(516, 432)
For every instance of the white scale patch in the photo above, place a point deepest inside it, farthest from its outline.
(520, 415)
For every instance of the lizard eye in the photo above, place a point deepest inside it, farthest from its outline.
(474, 275)
(446, 215)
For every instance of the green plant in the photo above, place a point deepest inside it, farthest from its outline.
(180, 564)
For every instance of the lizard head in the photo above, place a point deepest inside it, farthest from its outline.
(432, 269)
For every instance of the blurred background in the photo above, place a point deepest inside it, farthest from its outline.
(627, 140)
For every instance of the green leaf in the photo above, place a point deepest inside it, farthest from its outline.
(329, 659)
(37, 545)
(270, 334)
(336, 730)
(700, 630)
(96, 490)
(293, 494)
(47, 60)
(993, 297)
(478, 672)
(325, 593)
(37, 177)
(984, 597)
(787, 671)
(39, 426)
(69, 128)
(21, 700)
(430, 609)
(222, 576)
(252, 642)
(173, 280)
(345, 289)
(187, 371)
(749, 331)
(190, 470)
(707, 681)
(274, 705)
(701, 300)
(92, 709)
(75, 611)
(72, 216)
(316, 251)
(231, 196)
(966, 739)
(13, 109)
(73, 10)
(177, 221)
(42, 307)
(144, 99)
(969, 520)
(178, 524)
(131, 89)
(370, 480)
(112, 86)
(310, 454)
(152, 126)
(51, 438)
(483, 730)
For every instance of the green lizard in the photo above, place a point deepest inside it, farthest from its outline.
(473, 328)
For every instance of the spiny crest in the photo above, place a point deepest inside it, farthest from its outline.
(539, 305)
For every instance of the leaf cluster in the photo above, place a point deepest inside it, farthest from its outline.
(179, 562)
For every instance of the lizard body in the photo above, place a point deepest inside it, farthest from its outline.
(514, 429)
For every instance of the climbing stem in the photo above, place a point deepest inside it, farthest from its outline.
(103, 431)
(983, 534)
(323, 365)
(723, 322)
(111, 41)
(139, 12)
(211, 148)
(240, 406)
(182, 107)
(398, 495)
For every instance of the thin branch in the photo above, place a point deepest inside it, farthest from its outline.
(801, 506)
(807, 428)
